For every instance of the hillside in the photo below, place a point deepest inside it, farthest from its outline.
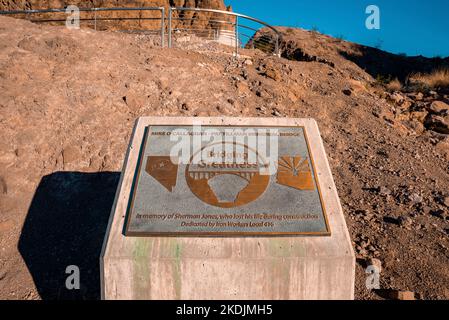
(39, 4)
(69, 99)
(202, 20)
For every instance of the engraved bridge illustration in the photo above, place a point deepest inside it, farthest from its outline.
(198, 173)
(229, 180)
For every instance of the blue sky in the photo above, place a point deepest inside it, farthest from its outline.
(413, 27)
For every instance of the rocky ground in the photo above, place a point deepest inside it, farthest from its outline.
(69, 99)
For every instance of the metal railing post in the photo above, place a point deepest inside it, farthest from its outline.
(170, 11)
(278, 53)
(163, 27)
(95, 16)
(237, 36)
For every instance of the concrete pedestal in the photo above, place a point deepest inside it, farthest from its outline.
(300, 267)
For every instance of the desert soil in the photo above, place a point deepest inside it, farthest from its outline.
(69, 100)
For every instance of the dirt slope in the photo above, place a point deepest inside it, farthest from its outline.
(68, 102)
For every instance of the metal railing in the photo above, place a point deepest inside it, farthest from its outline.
(228, 29)
(225, 27)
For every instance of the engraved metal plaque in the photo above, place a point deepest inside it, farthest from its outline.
(225, 181)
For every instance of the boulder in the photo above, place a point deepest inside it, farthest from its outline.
(397, 98)
(437, 123)
(272, 72)
(419, 115)
(438, 107)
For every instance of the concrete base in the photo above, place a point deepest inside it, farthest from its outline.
(253, 268)
(226, 37)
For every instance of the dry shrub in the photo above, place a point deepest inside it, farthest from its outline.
(394, 85)
(436, 79)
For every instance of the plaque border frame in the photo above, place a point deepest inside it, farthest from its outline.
(135, 182)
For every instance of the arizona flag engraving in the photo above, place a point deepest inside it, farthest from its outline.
(295, 172)
(163, 170)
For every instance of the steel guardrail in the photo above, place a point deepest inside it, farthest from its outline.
(262, 43)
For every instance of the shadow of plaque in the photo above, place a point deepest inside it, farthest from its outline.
(65, 225)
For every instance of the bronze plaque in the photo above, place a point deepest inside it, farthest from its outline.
(225, 181)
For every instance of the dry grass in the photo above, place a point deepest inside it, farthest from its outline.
(437, 79)
(394, 85)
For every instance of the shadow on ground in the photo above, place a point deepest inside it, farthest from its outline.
(65, 225)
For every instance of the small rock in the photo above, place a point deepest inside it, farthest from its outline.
(392, 220)
(446, 201)
(405, 105)
(248, 62)
(261, 109)
(426, 209)
(384, 191)
(367, 215)
(405, 221)
(374, 262)
(415, 198)
(362, 252)
(347, 92)
(397, 98)
(273, 74)
(243, 88)
(419, 115)
(402, 295)
(365, 244)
